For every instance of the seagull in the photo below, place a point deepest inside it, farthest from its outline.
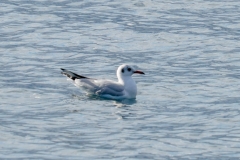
(125, 88)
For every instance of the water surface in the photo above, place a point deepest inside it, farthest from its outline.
(187, 105)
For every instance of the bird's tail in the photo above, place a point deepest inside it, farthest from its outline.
(71, 75)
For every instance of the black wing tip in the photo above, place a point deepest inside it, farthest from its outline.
(72, 75)
(62, 70)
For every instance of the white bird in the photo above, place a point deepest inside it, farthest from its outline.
(125, 88)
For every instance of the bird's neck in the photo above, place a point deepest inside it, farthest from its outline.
(125, 80)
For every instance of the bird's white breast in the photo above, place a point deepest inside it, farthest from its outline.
(130, 88)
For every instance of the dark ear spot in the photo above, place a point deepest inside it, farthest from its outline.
(129, 69)
(122, 70)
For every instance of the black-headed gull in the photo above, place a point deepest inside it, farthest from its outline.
(124, 88)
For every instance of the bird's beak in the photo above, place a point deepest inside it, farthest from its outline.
(139, 72)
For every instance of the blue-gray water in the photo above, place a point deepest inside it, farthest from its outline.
(187, 105)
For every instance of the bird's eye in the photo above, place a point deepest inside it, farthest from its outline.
(129, 69)
(122, 70)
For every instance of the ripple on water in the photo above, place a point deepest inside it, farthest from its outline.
(187, 103)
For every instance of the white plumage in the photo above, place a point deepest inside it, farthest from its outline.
(124, 88)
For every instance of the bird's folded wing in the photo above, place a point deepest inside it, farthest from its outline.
(101, 87)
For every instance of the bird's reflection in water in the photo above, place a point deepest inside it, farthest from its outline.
(122, 108)
(117, 103)
(124, 102)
